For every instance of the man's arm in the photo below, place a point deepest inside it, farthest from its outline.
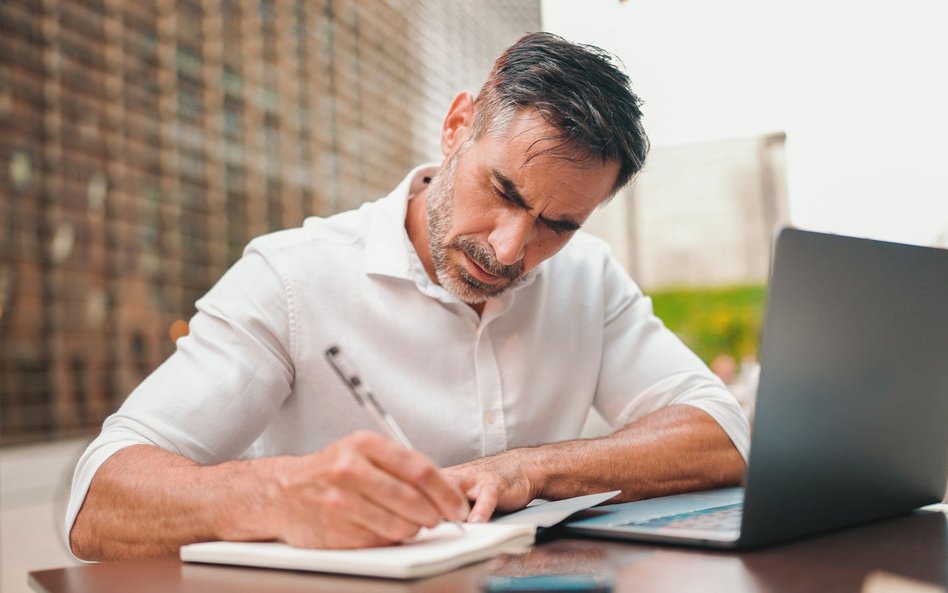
(362, 490)
(675, 449)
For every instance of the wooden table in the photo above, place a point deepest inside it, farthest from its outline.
(913, 546)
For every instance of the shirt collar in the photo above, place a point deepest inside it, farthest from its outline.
(389, 251)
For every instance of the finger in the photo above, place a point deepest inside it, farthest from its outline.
(484, 505)
(399, 498)
(355, 470)
(382, 522)
(417, 471)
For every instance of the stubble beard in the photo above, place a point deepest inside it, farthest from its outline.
(452, 276)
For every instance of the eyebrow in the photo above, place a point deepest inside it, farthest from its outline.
(510, 191)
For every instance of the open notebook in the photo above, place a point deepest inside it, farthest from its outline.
(432, 551)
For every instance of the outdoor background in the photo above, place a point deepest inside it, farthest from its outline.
(145, 143)
(142, 144)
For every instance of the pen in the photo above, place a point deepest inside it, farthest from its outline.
(361, 391)
(363, 394)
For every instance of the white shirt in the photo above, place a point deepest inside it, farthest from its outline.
(251, 378)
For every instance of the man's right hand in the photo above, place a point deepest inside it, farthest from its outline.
(361, 490)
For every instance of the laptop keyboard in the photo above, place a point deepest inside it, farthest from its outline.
(727, 517)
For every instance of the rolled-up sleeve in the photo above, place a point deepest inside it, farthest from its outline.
(645, 367)
(221, 387)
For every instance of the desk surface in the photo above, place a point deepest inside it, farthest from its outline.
(914, 546)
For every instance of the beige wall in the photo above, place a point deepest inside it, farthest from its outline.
(700, 214)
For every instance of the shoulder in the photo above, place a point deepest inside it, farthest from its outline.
(586, 246)
(585, 271)
(587, 256)
(348, 228)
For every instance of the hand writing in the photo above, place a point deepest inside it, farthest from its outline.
(362, 490)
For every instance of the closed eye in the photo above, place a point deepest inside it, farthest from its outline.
(506, 198)
(559, 227)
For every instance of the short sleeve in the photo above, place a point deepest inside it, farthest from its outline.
(645, 367)
(221, 387)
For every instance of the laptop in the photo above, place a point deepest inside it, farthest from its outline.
(851, 420)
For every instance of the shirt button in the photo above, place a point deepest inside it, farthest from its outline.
(490, 417)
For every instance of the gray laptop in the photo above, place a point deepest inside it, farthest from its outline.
(851, 422)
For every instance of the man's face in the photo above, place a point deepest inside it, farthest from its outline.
(497, 209)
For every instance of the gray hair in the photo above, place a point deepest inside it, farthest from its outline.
(577, 90)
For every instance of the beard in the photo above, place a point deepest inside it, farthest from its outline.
(452, 276)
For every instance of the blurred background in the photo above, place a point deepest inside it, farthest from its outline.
(142, 144)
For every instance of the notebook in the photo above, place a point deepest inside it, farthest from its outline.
(851, 419)
(432, 551)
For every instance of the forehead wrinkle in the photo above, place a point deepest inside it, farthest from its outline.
(573, 209)
(576, 196)
(544, 143)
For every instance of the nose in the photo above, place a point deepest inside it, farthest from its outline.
(511, 235)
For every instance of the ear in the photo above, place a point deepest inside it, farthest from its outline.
(457, 123)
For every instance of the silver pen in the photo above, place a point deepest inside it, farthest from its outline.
(363, 394)
(361, 391)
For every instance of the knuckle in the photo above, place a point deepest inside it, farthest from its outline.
(342, 470)
(363, 438)
(335, 500)
(420, 472)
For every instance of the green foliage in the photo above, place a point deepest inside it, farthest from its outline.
(715, 321)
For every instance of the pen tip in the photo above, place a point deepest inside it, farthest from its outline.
(333, 350)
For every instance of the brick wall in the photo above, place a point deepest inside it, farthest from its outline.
(142, 144)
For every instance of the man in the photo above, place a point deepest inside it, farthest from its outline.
(488, 325)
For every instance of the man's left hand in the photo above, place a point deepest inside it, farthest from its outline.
(500, 482)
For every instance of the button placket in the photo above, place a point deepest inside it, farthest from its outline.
(490, 393)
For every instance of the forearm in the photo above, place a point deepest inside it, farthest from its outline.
(676, 449)
(361, 490)
(145, 501)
